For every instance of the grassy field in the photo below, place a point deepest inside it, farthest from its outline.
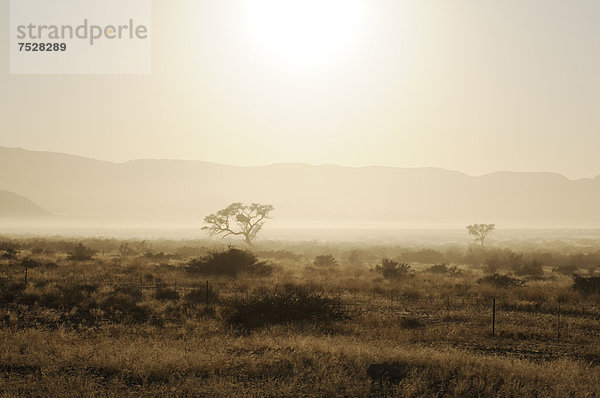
(131, 318)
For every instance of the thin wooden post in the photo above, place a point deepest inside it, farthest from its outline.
(26, 276)
(558, 322)
(493, 316)
(206, 292)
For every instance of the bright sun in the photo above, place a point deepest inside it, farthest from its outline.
(304, 33)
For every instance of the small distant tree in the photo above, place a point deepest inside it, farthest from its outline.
(81, 253)
(480, 231)
(238, 219)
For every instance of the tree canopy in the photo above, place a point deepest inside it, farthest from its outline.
(238, 219)
(480, 231)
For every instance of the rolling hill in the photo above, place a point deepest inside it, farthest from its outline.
(13, 205)
(302, 194)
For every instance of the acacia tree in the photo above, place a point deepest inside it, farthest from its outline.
(238, 219)
(480, 231)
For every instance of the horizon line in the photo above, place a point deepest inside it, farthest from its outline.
(302, 164)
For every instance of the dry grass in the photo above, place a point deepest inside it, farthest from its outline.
(113, 326)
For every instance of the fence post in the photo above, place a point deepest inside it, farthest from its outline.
(206, 292)
(25, 276)
(558, 322)
(493, 316)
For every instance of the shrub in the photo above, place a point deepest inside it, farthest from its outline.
(389, 372)
(30, 263)
(442, 269)
(410, 322)
(51, 265)
(28, 298)
(325, 261)
(10, 292)
(164, 294)
(501, 281)
(198, 296)
(422, 256)
(41, 250)
(50, 299)
(187, 252)
(125, 250)
(133, 292)
(566, 269)
(391, 269)
(68, 297)
(159, 256)
(81, 253)
(355, 257)
(280, 255)
(492, 264)
(230, 262)
(10, 250)
(72, 296)
(121, 308)
(294, 305)
(531, 268)
(589, 285)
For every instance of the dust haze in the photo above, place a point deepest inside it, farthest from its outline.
(304, 198)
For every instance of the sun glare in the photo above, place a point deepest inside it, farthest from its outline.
(303, 33)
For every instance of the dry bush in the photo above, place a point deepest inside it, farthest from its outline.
(166, 294)
(325, 261)
(411, 322)
(97, 330)
(197, 296)
(229, 262)
(500, 281)
(292, 305)
(391, 269)
(586, 285)
(80, 252)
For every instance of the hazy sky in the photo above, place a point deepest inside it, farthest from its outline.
(476, 86)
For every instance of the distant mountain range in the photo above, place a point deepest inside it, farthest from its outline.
(302, 194)
(13, 205)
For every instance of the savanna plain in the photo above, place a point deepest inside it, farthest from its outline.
(109, 317)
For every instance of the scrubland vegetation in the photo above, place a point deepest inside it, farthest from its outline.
(190, 318)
